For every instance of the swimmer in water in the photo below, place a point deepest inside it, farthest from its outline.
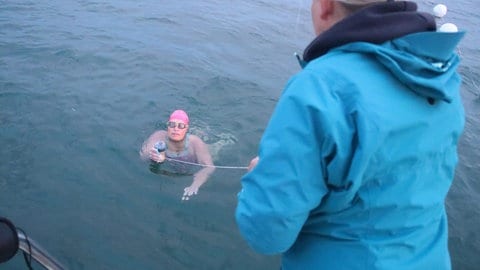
(182, 147)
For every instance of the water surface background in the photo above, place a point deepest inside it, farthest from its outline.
(83, 83)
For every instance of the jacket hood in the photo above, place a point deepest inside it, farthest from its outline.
(412, 50)
(374, 24)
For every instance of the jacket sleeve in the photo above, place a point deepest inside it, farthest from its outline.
(289, 179)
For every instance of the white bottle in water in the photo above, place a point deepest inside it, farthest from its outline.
(161, 147)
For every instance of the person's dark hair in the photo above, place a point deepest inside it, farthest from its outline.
(351, 8)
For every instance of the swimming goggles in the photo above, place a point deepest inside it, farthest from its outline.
(171, 124)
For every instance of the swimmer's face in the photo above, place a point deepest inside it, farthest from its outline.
(176, 130)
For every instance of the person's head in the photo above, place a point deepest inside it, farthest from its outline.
(326, 13)
(177, 125)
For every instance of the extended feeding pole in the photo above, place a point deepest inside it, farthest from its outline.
(12, 239)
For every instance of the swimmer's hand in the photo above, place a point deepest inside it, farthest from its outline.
(155, 156)
(253, 163)
(189, 191)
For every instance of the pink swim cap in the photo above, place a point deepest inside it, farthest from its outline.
(179, 115)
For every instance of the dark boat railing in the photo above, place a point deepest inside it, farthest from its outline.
(12, 239)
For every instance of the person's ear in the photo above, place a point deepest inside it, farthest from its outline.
(326, 9)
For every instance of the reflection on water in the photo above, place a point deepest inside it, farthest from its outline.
(172, 170)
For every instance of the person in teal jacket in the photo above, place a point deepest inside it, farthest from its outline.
(359, 154)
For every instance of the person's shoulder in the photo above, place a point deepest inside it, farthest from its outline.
(195, 141)
(194, 138)
(159, 134)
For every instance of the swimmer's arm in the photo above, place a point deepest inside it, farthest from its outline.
(149, 143)
(204, 158)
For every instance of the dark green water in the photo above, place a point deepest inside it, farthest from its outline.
(83, 83)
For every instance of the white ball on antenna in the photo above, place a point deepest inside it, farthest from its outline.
(448, 27)
(439, 10)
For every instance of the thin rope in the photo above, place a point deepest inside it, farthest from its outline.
(295, 33)
(298, 17)
(205, 165)
(300, 8)
(27, 258)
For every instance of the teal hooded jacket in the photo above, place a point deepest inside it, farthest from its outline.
(357, 159)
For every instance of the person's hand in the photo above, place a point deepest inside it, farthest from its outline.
(253, 163)
(155, 156)
(188, 192)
